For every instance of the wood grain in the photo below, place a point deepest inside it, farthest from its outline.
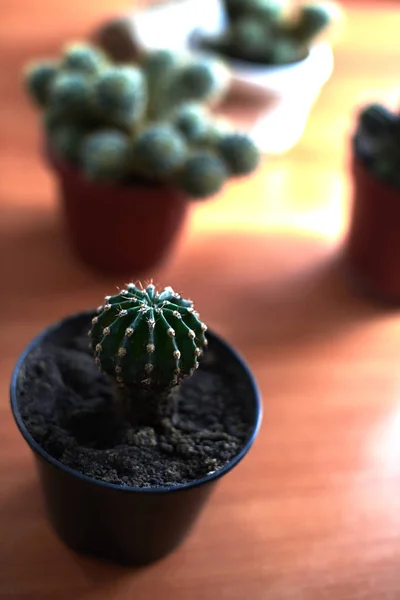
(313, 513)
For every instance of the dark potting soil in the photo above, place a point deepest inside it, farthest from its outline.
(70, 409)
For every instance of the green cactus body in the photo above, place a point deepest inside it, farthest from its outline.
(239, 153)
(286, 51)
(70, 96)
(313, 19)
(119, 95)
(193, 121)
(147, 341)
(377, 120)
(160, 68)
(269, 10)
(250, 39)
(203, 175)
(104, 156)
(65, 141)
(159, 150)
(199, 81)
(83, 58)
(38, 78)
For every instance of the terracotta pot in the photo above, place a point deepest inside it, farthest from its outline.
(119, 228)
(372, 250)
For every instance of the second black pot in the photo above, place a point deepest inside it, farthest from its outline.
(124, 525)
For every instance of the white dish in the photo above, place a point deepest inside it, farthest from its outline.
(289, 91)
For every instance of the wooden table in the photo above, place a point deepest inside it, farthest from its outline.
(313, 513)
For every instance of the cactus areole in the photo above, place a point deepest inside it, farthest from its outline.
(147, 342)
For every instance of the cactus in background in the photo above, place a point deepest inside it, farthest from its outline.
(270, 9)
(147, 342)
(70, 97)
(105, 155)
(119, 95)
(159, 68)
(201, 81)
(159, 150)
(203, 175)
(311, 21)
(127, 123)
(66, 142)
(265, 32)
(239, 153)
(82, 58)
(38, 79)
(376, 142)
(192, 121)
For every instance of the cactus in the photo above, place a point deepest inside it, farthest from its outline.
(66, 142)
(203, 175)
(264, 32)
(159, 150)
(144, 122)
(249, 38)
(82, 58)
(70, 96)
(105, 155)
(201, 81)
(119, 95)
(239, 153)
(38, 79)
(312, 20)
(192, 121)
(270, 9)
(377, 120)
(376, 142)
(147, 342)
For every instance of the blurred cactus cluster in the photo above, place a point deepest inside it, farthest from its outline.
(376, 142)
(149, 121)
(270, 32)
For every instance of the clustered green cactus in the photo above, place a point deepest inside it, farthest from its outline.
(125, 122)
(266, 32)
(147, 342)
(377, 142)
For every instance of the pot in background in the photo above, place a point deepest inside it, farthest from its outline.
(372, 248)
(118, 229)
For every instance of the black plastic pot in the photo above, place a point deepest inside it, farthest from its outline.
(124, 525)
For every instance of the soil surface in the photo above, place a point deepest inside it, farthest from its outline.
(70, 409)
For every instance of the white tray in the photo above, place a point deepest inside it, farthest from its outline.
(285, 95)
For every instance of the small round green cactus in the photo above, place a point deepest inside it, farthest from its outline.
(159, 68)
(38, 78)
(250, 38)
(199, 81)
(119, 95)
(267, 9)
(147, 341)
(70, 96)
(193, 121)
(203, 175)
(287, 51)
(65, 141)
(83, 58)
(239, 153)
(312, 20)
(105, 155)
(159, 150)
(377, 120)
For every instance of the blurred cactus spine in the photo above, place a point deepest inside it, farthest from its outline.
(145, 121)
(271, 32)
(147, 342)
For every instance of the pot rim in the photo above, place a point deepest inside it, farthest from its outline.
(37, 448)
